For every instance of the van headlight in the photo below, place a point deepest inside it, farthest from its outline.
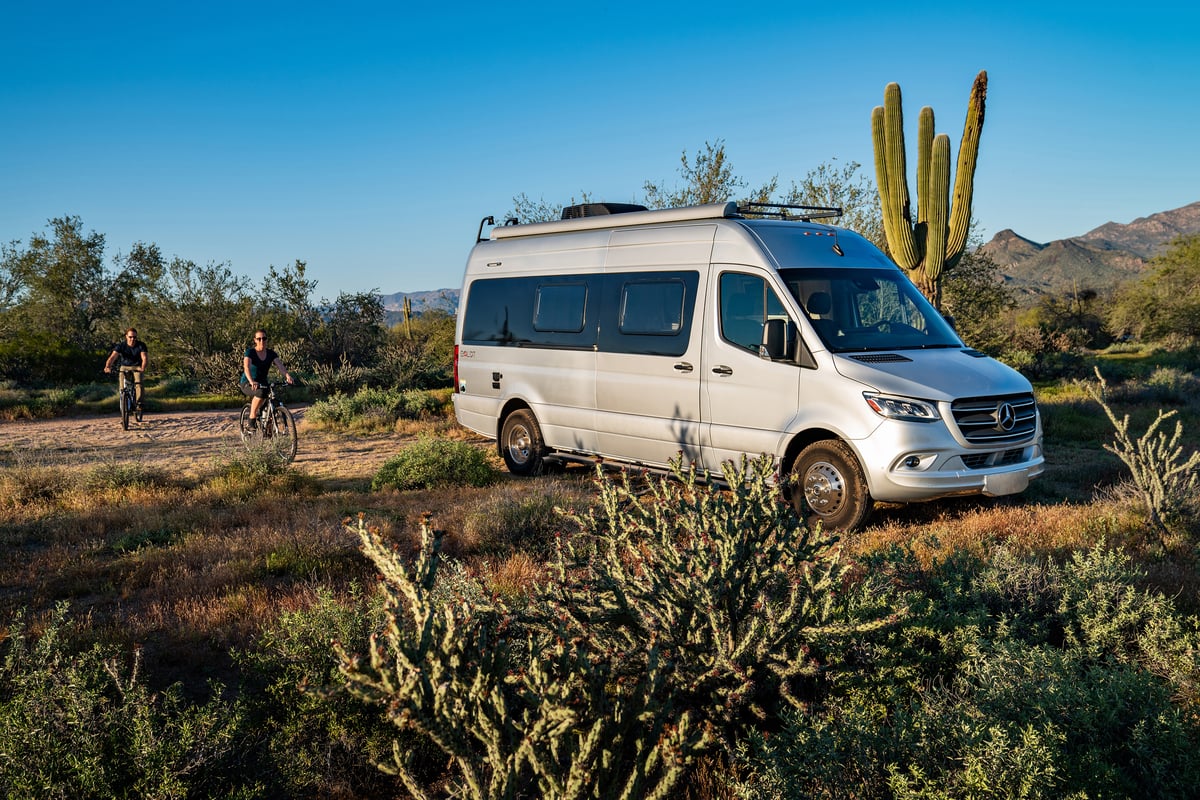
(902, 408)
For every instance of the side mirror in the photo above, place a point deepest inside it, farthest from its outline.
(776, 340)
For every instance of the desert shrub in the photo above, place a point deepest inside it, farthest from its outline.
(374, 409)
(94, 392)
(1038, 353)
(676, 617)
(1163, 386)
(18, 403)
(178, 386)
(217, 373)
(1041, 679)
(423, 362)
(83, 724)
(241, 473)
(435, 462)
(116, 475)
(29, 482)
(520, 517)
(317, 742)
(328, 379)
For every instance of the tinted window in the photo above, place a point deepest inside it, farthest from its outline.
(747, 302)
(652, 307)
(560, 308)
(648, 314)
(501, 311)
(621, 312)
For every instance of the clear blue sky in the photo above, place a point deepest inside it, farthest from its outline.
(370, 140)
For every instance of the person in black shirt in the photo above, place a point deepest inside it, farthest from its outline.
(133, 355)
(256, 366)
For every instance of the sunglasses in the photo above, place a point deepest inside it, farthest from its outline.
(260, 338)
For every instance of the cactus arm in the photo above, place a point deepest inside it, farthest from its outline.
(904, 247)
(964, 177)
(935, 246)
(889, 213)
(924, 153)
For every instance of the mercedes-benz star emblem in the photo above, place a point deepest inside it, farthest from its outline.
(1006, 417)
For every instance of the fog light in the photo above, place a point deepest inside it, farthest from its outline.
(912, 462)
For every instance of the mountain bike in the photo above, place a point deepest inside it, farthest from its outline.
(275, 429)
(128, 398)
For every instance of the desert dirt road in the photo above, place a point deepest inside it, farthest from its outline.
(186, 442)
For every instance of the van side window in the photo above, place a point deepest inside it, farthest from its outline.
(529, 312)
(652, 307)
(747, 302)
(559, 307)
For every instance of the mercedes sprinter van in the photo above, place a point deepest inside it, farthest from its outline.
(714, 331)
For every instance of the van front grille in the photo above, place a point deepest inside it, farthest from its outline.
(996, 420)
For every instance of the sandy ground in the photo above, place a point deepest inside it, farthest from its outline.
(186, 441)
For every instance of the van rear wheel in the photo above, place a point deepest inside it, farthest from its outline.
(521, 443)
(828, 486)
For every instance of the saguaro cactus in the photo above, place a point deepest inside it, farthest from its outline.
(936, 240)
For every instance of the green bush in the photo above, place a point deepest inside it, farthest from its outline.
(435, 462)
(1037, 679)
(375, 409)
(84, 725)
(17, 403)
(520, 517)
(317, 742)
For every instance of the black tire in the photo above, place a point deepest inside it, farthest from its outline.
(124, 411)
(283, 434)
(244, 427)
(521, 443)
(828, 486)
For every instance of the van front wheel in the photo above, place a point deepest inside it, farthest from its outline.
(521, 443)
(828, 485)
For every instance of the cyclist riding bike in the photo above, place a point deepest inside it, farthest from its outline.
(134, 357)
(256, 366)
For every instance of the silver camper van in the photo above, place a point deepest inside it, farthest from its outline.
(717, 330)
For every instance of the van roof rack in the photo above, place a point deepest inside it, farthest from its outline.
(784, 211)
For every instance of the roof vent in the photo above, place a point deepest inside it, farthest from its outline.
(599, 209)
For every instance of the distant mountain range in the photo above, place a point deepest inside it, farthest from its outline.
(1100, 259)
(420, 302)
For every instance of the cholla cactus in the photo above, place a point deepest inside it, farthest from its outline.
(676, 617)
(738, 594)
(522, 707)
(1166, 481)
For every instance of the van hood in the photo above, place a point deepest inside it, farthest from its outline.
(942, 374)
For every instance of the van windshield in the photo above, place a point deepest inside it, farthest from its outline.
(857, 310)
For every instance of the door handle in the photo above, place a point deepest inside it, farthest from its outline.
(683, 366)
(721, 369)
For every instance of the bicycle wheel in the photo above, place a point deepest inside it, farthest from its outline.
(248, 433)
(283, 434)
(125, 403)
